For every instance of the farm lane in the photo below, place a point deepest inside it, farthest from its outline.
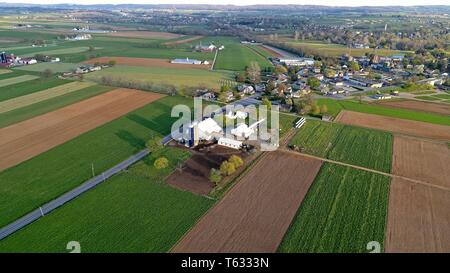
(416, 181)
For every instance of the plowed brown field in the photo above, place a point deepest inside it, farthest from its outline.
(29, 138)
(255, 214)
(423, 160)
(438, 108)
(418, 218)
(145, 62)
(396, 125)
(419, 215)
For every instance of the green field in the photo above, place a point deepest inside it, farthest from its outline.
(335, 106)
(430, 98)
(49, 105)
(333, 50)
(344, 209)
(30, 184)
(131, 212)
(5, 71)
(36, 97)
(237, 57)
(354, 145)
(173, 76)
(15, 80)
(54, 67)
(25, 88)
(69, 50)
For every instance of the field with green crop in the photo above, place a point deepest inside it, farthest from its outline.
(54, 67)
(164, 75)
(133, 198)
(5, 71)
(43, 95)
(344, 209)
(30, 184)
(237, 57)
(354, 145)
(69, 50)
(335, 106)
(29, 87)
(15, 80)
(119, 215)
(49, 105)
(333, 50)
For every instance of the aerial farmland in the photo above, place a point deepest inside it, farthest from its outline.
(299, 133)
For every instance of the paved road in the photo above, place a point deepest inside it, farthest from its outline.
(47, 208)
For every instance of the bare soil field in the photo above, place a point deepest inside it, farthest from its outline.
(32, 137)
(145, 62)
(194, 174)
(431, 107)
(396, 125)
(183, 41)
(418, 218)
(419, 215)
(145, 34)
(255, 214)
(423, 160)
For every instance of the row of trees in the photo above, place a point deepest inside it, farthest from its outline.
(227, 168)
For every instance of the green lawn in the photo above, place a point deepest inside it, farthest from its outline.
(344, 209)
(430, 98)
(131, 212)
(354, 145)
(48, 175)
(442, 96)
(173, 76)
(237, 57)
(335, 106)
(49, 105)
(25, 88)
(54, 67)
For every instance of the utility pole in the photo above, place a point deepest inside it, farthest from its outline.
(42, 213)
(92, 167)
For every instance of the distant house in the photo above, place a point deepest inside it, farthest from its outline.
(382, 96)
(79, 37)
(209, 48)
(26, 61)
(185, 61)
(297, 61)
(246, 89)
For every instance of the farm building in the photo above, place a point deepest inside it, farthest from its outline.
(245, 131)
(228, 142)
(202, 48)
(296, 61)
(185, 61)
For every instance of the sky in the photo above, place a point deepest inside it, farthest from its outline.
(247, 2)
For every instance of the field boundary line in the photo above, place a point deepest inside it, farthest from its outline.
(436, 140)
(70, 195)
(214, 61)
(412, 180)
(233, 183)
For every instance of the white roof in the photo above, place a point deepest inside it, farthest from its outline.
(209, 126)
(229, 141)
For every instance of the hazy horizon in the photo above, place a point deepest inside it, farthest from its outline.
(333, 3)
